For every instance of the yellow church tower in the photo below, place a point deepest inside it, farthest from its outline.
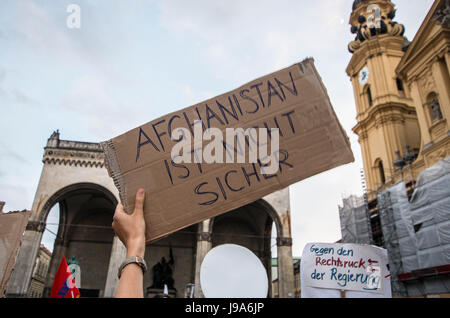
(387, 123)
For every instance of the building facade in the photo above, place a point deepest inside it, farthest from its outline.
(40, 270)
(402, 92)
(296, 266)
(425, 69)
(402, 97)
(75, 178)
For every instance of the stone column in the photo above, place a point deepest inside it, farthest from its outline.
(203, 247)
(285, 268)
(447, 61)
(439, 72)
(23, 268)
(421, 116)
(118, 255)
(59, 249)
(280, 203)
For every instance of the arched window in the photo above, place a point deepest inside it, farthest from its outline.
(381, 169)
(369, 96)
(434, 107)
(379, 166)
(400, 87)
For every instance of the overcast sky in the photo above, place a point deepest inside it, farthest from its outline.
(133, 61)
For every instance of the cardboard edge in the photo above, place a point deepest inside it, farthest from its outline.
(310, 61)
(114, 171)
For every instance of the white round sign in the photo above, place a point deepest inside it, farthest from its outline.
(233, 271)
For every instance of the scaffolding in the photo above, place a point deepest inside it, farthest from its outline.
(393, 206)
(412, 221)
(417, 232)
(354, 225)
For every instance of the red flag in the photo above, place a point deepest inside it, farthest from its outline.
(64, 284)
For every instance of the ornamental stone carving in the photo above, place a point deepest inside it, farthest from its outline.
(371, 20)
(442, 15)
(36, 226)
(284, 241)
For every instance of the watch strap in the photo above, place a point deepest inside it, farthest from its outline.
(134, 259)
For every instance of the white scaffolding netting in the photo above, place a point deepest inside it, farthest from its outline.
(417, 231)
(354, 221)
(430, 214)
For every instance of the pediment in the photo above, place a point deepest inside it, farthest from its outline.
(428, 31)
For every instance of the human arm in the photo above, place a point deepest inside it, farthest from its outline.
(130, 228)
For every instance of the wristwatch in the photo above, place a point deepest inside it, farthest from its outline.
(134, 259)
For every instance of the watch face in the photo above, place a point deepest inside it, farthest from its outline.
(364, 75)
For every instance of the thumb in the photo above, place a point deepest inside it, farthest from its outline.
(139, 204)
(119, 211)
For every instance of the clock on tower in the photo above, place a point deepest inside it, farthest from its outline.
(364, 75)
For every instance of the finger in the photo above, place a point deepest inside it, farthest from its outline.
(119, 212)
(119, 208)
(139, 204)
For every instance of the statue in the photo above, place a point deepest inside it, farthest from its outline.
(75, 270)
(162, 273)
(442, 15)
(399, 162)
(435, 108)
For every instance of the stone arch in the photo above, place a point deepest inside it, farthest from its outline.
(263, 204)
(55, 198)
(80, 205)
(277, 212)
(69, 167)
(380, 171)
(368, 95)
(246, 224)
(269, 209)
(182, 246)
(249, 226)
(400, 87)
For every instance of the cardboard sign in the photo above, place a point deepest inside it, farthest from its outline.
(350, 267)
(12, 226)
(293, 100)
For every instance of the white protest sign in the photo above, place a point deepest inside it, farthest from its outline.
(328, 268)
